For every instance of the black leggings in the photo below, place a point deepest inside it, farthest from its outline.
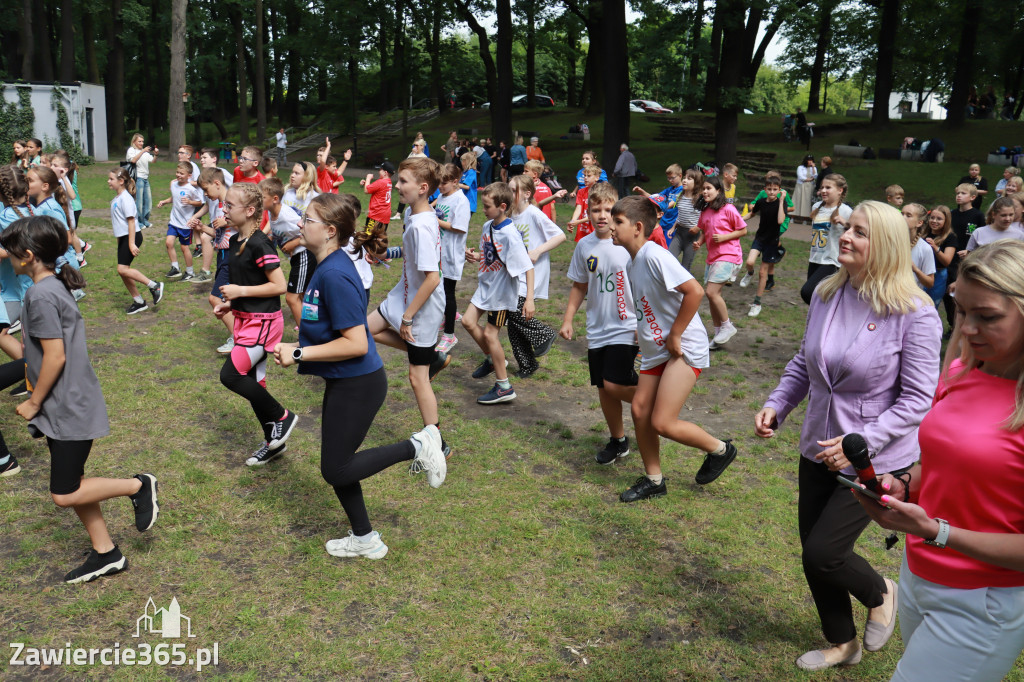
(815, 273)
(267, 409)
(449, 305)
(344, 424)
(10, 373)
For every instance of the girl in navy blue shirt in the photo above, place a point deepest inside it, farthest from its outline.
(334, 343)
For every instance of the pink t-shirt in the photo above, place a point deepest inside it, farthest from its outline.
(723, 221)
(972, 475)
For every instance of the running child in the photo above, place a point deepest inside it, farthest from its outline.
(829, 218)
(598, 271)
(721, 227)
(767, 240)
(468, 182)
(66, 405)
(1000, 225)
(328, 175)
(213, 184)
(411, 316)
(502, 259)
(46, 191)
(67, 171)
(184, 200)
(530, 338)
(378, 215)
(207, 159)
(922, 258)
(129, 239)
(675, 350)
(542, 196)
(579, 221)
(785, 224)
(253, 297)
(674, 175)
(453, 216)
(682, 235)
(334, 343)
(287, 236)
(729, 175)
(301, 187)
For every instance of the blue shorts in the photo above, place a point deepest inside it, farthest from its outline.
(184, 235)
(221, 276)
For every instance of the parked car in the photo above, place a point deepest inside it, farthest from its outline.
(650, 106)
(520, 101)
(634, 109)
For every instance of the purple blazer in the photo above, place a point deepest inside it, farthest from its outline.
(882, 388)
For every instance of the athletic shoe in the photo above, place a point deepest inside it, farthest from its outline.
(446, 343)
(745, 282)
(82, 262)
(770, 284)
(542, 350)
(12, 467)
(527, 373)
(15, 327)
(755, 310)
(97, 564)
(158, 292)
(486, 367)
(144, 501)
(197, 251)
(727, 331)
(714, 465)
(202, 276)
(188, 277)
(615, 449)
(264, 454)
(277, 432)
(497, 394)
(430, 457)
(442, 361)
(19, 390)
(226, 347)
(136, 307)
(78, 294)
(644, 489)
(351, 546)
(397, 216)
(173, 273)
(86, 246)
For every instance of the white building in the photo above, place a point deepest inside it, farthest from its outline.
(87, 113)
(904, 105)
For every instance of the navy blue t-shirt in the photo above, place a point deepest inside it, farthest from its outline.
(335, 299)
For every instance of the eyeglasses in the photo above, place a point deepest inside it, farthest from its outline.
(243, 158)
(307, 219)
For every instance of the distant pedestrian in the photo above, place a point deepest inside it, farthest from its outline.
(282, 148)
(625, 170)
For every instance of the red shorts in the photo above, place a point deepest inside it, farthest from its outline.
(658, 370)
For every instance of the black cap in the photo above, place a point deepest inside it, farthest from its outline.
(388, 166)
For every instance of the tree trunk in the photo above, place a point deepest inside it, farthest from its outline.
(142, 97)
(435, 59)
(260, 80)
(824, 38)
(531, 54)
(730, 75)
(570, 68)
(41, 26)
(501, 115)
(382, 49)
(293, 23)
(163, 82)
(27, 42)
(67, 41)
(89, 43)
(394, 76)
(115, 78)
(695, 39)
(243, 86)
(278, 67)
(956, 114)
(616, 71)
(711, 80)
(353, 86)
(886, 58)
(490, 70)
(175, 105)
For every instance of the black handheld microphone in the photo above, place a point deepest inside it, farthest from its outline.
(856, 450)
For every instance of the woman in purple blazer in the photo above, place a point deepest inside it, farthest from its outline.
(868, 364)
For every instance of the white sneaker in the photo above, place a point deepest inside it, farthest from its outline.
(446, 343)
(745, 282)
(722, 337)
(430, 458)
(397, 216)
(755, 310)
(371, 548)
(226, 347)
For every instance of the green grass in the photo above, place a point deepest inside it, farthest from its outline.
(522, 566)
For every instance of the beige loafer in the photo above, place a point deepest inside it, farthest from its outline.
(815, 660)
(875, 634)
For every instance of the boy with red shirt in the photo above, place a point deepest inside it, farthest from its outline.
(328, 175)
(379, 212)
(580, 220)
(248, 168)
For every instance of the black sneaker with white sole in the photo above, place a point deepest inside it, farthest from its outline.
(264, 455)
(136, 307)
(158, 292)
(145, 504)
(10, 467)
(19, 390)
(277, 432)
(644, 489)
(173, 273)
(614, 450)
(715, 465)
(97, 564)
(15, 327)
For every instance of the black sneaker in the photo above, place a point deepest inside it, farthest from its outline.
(158, 292)
(188, 277)
(97, 564)
(442, 361)
(644, 489)
(136, 307)
(19, 390)
(173, 273)
(770, 284)
(264, 454)
(278, 432)
(486, 367)
(615, 449)
(527, 373)
(10, 468)
(542, 350)
(714, 465)
(144, 501)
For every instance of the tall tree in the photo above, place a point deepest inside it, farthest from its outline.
(467, 14)
(243, 86)
(259, 82)
(616, 72)
(67, 41)
(114, 80)
(825, 10)
(27, 41)
(175, 95)
(501, 115)
(696, 33)
(957, 112)
(530, 13)
(887, 31)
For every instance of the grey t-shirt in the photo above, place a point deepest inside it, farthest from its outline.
(74, 408)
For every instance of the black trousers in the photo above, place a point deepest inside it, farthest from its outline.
(815, 273)
(525, 335)
(344, 423)
(831, 520)
(450, 306)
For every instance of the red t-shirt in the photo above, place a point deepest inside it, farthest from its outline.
(658, 237)
(542, 192)
(325, 180)
(380, 200)
(584, 228)
(254, 179)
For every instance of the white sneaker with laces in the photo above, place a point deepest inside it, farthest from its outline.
(745, 282)
(226, 347)
(429, 457)
(755, 310)
(351, 546)
(728, 331)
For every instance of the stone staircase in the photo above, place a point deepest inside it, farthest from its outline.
(675, 130)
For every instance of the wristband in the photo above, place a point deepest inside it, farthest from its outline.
(406, 323)
(942, 537)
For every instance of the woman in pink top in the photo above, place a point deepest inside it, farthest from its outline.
(721, 227)
(962, 581)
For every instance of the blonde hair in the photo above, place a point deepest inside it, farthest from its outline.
(308, 183)
(602, 192)
(535, 166)
(251, 197)
(674, 169)
(973, 166)
(947, 224)
(889, 285)
(522, 183)
(592, 170)
(997, 206)
(468, 160)
(922, 215)
(996, 267)
(895, 190)
(969, 188)
(136, 136)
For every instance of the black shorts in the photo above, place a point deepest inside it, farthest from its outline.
(770, 252)
(418, 355)
(67, 464)
(222, 276)
(497, 317)
(614, 364)
(124, 254)
(303, 264)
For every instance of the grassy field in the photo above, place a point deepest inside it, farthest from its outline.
(523, 566)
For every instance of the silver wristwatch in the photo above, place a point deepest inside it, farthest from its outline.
(296, 354)
(943, 535)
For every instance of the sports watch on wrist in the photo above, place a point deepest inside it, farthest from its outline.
(942, 537)
(296, 354)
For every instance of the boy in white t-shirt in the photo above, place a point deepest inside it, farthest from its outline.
(502, 258)
(283, 228)
(184, 198)
(453, 215)
(674, 346)
(598, 273)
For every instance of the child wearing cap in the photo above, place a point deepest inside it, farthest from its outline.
(378, 215)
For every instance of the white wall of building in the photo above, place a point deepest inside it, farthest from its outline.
(87, 114)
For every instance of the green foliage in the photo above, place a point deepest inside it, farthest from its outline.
(65, 139)
(17, 120)
(773, 93)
